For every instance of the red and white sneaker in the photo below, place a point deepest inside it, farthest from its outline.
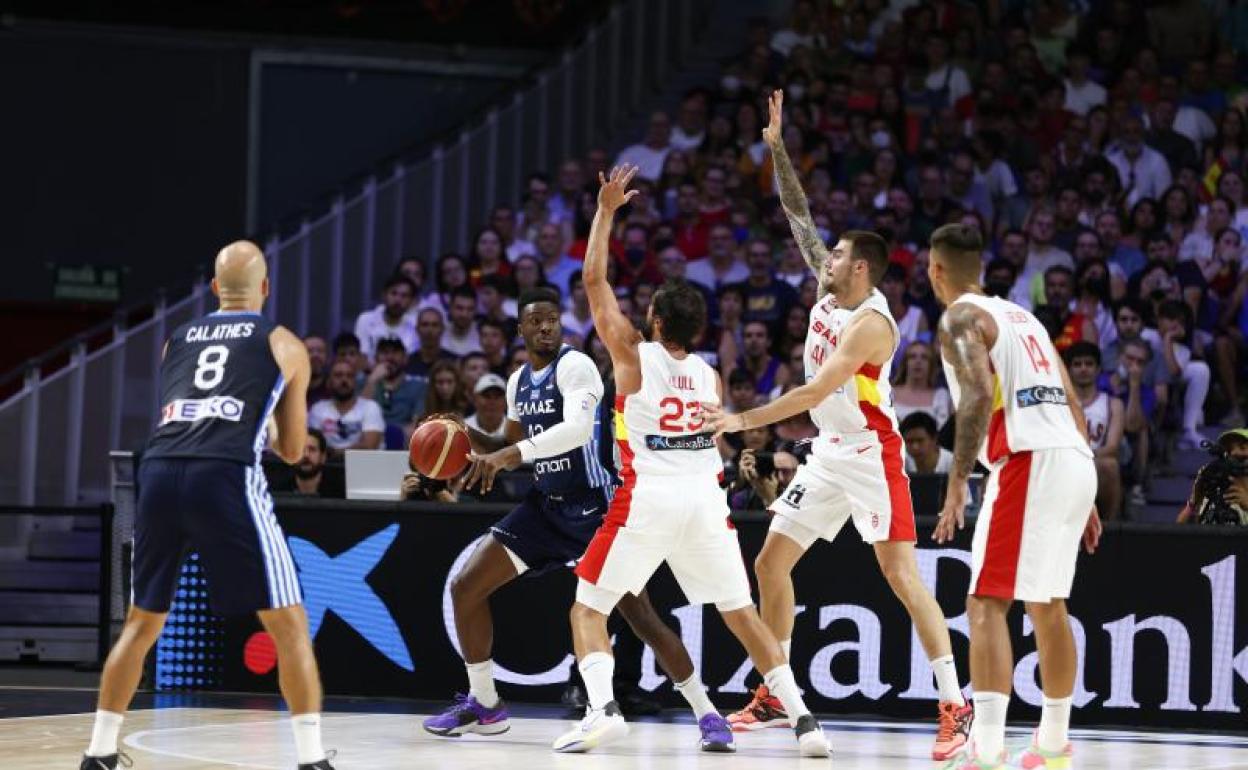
(954, 730)
(765, 710)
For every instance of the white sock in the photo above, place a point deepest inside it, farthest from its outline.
(481, 683)
(781, 684)
(947, 680)
(695, 694)
(1054, 724)
(307, 729)
(786, 645)
(597, 668)
(104, 734)
(988, 729)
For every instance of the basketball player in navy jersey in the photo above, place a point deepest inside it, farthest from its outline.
(555, 420)
(224, 378)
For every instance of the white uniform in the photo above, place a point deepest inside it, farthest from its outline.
(1042, 482)
(670, 506)
(857, 466)
(1097, 414)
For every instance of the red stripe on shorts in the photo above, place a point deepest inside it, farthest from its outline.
(591, 564)
(901, 509)
(998, 573)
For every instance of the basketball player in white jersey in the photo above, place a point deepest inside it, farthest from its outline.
(857, 469)
(1106, 418)
(1017, 414)
(670, 506)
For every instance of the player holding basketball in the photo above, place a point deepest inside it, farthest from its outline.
(670, 507)
(554, 421)
(1017, 412)
(223, 379)
(857, 468)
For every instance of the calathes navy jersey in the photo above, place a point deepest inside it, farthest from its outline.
(219, 382)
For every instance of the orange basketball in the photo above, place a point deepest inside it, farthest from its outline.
(439, 449)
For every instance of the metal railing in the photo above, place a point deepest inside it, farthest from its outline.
(60, 427)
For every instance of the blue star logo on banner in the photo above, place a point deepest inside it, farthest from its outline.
(337, 584)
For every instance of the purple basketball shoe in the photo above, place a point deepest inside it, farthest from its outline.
(466, 715)
(716, 734)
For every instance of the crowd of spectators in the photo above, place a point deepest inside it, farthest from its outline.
(1099, 147)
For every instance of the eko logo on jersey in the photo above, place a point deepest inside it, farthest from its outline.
(1040, 394)
(664, 443)
(195, 409)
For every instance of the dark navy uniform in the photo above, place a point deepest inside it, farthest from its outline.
(201, 487)
(571, 492)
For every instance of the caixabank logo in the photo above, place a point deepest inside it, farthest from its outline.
(1153, 645)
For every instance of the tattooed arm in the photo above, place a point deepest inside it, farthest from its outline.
(964, 342)
(792, 196)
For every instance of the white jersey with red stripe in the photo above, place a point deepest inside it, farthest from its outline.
(660, 429)
(863, 406)
(1029, 401)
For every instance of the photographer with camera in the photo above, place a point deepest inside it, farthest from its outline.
(1220, 494)
(760, 477)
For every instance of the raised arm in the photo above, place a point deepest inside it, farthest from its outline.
(614, 328)
(867, 340)
(964, 344)
(792, 196)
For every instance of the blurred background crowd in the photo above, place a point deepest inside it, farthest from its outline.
(1100, 148)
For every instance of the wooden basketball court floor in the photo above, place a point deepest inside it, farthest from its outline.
(201, 737)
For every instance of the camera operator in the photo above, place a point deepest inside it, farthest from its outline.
(760, 478)
(1220, 494)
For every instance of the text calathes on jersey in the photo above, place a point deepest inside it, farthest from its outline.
(696, 441)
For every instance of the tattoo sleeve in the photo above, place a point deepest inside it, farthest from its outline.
(962, 342)
(793, 198)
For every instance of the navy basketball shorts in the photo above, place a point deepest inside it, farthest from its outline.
(545, 532)
(221, 510)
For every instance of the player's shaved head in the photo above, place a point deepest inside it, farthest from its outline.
(956, 260)
(240, 275)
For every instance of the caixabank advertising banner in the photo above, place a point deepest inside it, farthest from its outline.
(1158, 619)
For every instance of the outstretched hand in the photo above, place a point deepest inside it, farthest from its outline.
(485, 467)
(773, 133)
(614, 191)
(719, 422)
(953, 515)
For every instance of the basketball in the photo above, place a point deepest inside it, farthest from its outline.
(439, 449)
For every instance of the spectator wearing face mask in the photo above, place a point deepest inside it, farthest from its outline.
(1092, 280)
